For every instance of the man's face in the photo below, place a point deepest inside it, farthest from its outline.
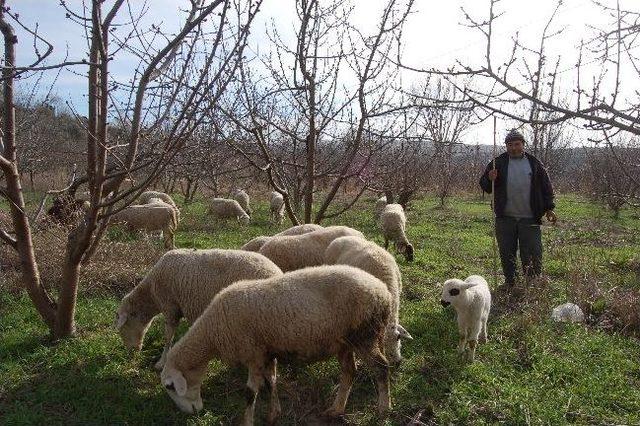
(515, 148)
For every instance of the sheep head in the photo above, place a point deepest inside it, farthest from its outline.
(393, 342)
(132, 325)
(453, 291)
(406, 249)
(184, 389)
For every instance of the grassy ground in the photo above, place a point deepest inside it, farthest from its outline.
(531, 371)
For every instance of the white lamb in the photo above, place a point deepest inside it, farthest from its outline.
(372, 258)
(291, 252)
(276, 207)
(311, 314)
(257, 243)
(223, 208)
(471, 299)
(393, 223)
(150, 217)
(150, 197)
(243, 199)
(182, 284)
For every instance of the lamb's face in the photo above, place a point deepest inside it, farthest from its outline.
(452, 290)
(183, 389)
(132, 327)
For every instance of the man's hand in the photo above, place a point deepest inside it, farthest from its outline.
(551, 216)
(493, 174)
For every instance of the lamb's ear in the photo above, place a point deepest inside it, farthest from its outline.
(121, 318)
(402, 333)
(174, 380)
(465, 285)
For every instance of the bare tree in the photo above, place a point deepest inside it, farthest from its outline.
(196, 73)
(309, 129)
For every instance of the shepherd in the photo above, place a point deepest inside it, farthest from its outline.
(523, 195)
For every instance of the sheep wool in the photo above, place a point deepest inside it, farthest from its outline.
(291, 252)
(182, 284)
(375, 260)
(311, 314)
(257, 243)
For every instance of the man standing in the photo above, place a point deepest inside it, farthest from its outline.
(523, 195)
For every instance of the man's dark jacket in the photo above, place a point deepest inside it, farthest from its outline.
(541, 188)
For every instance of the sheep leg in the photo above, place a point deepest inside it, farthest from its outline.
(386, 243)
(254, 383)
(170, 324)
(473, 339)
(483, 333)
(379, 364)
(347, 372)
(271, 377)
(462, 341)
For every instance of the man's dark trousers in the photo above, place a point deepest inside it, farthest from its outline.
(512, 232)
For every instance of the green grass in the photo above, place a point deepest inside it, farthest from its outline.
(530, 371)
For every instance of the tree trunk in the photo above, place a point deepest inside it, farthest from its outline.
(8, 163)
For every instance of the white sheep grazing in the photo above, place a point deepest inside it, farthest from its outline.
(223, 208)
(182, 284)
(372, 258)
(291, 252)
(380, 205)
(471, 299)
(149, 197)
(150, 217)
(146, 196)
(393, 223)
(243, 199)
(276, 207)
(257, 243)
(311, 314)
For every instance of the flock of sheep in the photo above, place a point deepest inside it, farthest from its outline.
(309, 292)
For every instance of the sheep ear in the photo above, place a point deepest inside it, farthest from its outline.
(466, 285)
(402, 333)
(121, 318)
(175, 381)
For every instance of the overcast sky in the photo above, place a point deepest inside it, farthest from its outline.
(433, 36)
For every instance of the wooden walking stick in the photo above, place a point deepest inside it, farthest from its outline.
(493, 209)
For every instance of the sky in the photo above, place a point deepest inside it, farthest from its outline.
(433, 36)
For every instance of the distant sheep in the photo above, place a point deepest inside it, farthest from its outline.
(145, 198)
(257, 243)
(471, 299)
(311, 314)
(182, 284)
(393, 223)
(243, 199)
(371, 258)
(149, 197)
(380, 205)
(223, 208)
(276, 207)
(150, 217)
(291, 252)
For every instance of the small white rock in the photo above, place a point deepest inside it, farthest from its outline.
(569, 312)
